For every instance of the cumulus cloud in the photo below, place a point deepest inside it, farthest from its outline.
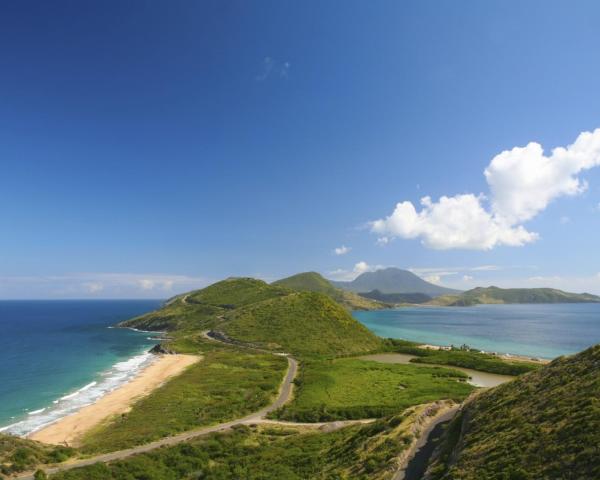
(522, 182)
(349, 275)
(343, 250)
(436, 279)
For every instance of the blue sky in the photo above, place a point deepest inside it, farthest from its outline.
(151, 147)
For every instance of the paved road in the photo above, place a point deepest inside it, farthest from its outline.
(285, 392)
(442, 417)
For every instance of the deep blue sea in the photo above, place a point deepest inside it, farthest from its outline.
(546, 331)
(59, 355)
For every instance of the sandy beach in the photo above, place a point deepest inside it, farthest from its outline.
(69, 430)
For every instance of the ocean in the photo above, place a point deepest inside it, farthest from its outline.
(540, 330)
(57, 356)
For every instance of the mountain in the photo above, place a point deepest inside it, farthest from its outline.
(543, 425)
(304, 323)
(314, 282)
(481, 295)
(393, 280)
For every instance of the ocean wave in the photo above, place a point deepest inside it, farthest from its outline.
(35, 412)
(119, 374)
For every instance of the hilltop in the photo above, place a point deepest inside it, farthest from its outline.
(487, 295)
(271, 315)
(393, 280)
(314, 282)
(305, 323)
(543, 425)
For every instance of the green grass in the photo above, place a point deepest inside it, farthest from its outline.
(236, 292)
(543, 425)
(349, 388)
(303, 323)
(261, 453)
(458, 357)
(225, 385)
(477, 361)
(18, 455)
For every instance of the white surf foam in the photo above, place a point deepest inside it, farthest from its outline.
(119, 374)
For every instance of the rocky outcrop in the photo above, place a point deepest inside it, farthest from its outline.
(161, 349)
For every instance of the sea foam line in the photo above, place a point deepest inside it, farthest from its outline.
(119, 374)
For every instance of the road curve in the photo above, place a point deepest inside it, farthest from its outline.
(285, 392)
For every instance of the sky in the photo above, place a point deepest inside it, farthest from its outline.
(148, 148)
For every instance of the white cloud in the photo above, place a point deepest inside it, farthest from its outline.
(522, 182)
(93, 287)
(436, 279)
(110, 285)
(467, 278)
(348, 275)
(382, 241)
(343, 250)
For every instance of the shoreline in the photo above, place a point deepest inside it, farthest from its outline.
(68, 430)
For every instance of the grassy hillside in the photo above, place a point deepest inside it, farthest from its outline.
(544, 425)
(236, 292)
(359, 452)
(202, 309)
(492, 295)
(305, 323)
(18, 455)
(350, 388)
(314, 282)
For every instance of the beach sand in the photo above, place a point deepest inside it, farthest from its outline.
(69, 430)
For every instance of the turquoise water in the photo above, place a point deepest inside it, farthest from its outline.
(546, 331)
(60, 355)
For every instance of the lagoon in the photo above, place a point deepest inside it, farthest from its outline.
(540, 330)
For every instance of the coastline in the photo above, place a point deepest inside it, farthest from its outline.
(69, 429)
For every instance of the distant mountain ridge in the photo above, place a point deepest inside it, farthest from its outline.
(394, 280)
(314, 282)
(492, 295)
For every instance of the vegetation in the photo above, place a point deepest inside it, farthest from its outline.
(203, 309)
(314, 282)
(304, 323)
(226, 384)
(464, 357)
(396, 298)
(394, 280)
(18, 454)
(349, 388)
(544, 425)
(357, 452)
(492, 295)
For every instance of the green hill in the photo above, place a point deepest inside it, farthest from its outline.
(304, 323)
(314, 282)
(543, 425)
(202, 309)
(481, 295)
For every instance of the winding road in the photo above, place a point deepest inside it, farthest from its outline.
(285, 393)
